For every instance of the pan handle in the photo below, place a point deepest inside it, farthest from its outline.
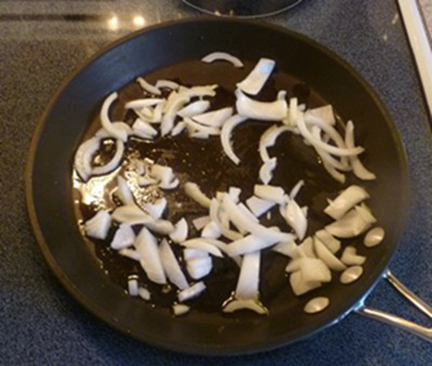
(423, 332)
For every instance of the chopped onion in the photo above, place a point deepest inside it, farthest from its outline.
(216, 56)
(171, 266)
(180, 232)
(123, 238)
(306, 248)
(167, 84)
(226, 132)
(199, 135)
(211, 230)
(189, 253)
(163, 227)
(98, 226)
(296, 218)
(259, 206)
(194, 192)
(143, 129)
(214, 118)
(113, 163)
(282, 94)
(256, 79)
(197, 127)
(265, 111)
(353, 223)
(164, 174)
(266, 170)
(180, 309)
(358, 168)
(144, 294)
(191, 292)
(178, 128)
(106, 122)
(328, 240)
(324, 114)
(130, 253)
(148, 87)
(293, 111)
(123, 191)
(133, 286)
(314, 270)
(246, 245)
(248, 281)
(346, 201)
(194, 109)
(351, 258)
(299, 286)
(288, 248)
(130, 214)
(214, 214)
(296, 189)
(327, 256)
(249, 304)
(140, 103)
(84, 156)
(173, 107)
(200, 222)
(199, 267)
(203, 244)
(200, 91)
(156, 209)
(147, 246)
(270, 193)
(268, 139)
(234, 193)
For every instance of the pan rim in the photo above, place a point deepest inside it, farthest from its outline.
(204, 349)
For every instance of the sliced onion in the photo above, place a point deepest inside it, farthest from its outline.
(200, 222)
(194, 192)
(106, 122)
(326, 157)
(164, 174)
(214, 118)
(173, 107)
(259, 206)
(270, 193)
(178, 128)
(314, 270)
(84, 156)
(199, 135)
(191, 292)
(146, 245)
(328, 240)
(246, 304)
(211, 230)
(266, 170)
(143, 129)
(352, 224)
(171, 266)
(226, 132)
(130, 214)
(133, 286)
(288, 248)
(214, 214)
(189, 253)
(199, 267)
(296, 218)
(265, 111)
(222, 56)
(131, 254)
(98, 226)
(163, 227)
(144, 294)
(296, 189)
(140, 103)
(248, 244)
(327, 256)
(293, 111)
(346, 201)
(180, 232)
(351, 258)
(197, 127)
(250, 216)
(234, 193)
(200, 91)
(358, 168)
(123, 191)
(156, 209)
(256, 79)
(123, 238)
(180, 309)
(148, 87)
(167, 84)
(299, 286)
(268, 139)
(113, 163)
(248, 281)
(194, 109)
(203, 244)
(306, 248)
(282, 94)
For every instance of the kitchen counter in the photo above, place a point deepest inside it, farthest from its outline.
(42, 42)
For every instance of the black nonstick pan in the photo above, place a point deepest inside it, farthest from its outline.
(171, 50)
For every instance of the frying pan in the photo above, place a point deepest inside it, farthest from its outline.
(71, 111)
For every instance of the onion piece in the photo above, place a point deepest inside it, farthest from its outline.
(130, 253)
(189, 253)
(131, 215)
(194, 192)
(314, 270)
(270, 193)
(178, 128)
(199, 135)
(247, 244)
(248, 304)
(327, 256)
(194, 109)
(203, 244)
(144, 294)
(140, 103)
(199, 267)
(173, 107)
(163, 227)
(328, 240)
(234, 193)
(293, 111)
(143, 129)
(123, 238)
(265, 111)
(180, 232)
(147, 246)
(214, 214)
(214, 118)
(148, 87)
(306, 248)
(83, 157)
(299, 286)
(98, 226)
(358, 168)
(197, 127)
(288, 248)
(156, 209)
(352, 224)
(256, 79)
(106, 122)
(164, 174)
(223, 56)
(345, 201)
(113, 163)
(199, 91)
(180, 309)
(226, 133)
(133, 286)
(146, 181)
(211, 230)
(351, 258)
(173, 184)
(167, 84)
(266, 170)
(324, 114)
(171, 266)
(200, 222)
(296, 218)
(296, 189)
(123, 191)
(268, 139)
(191, 292)
(259, 206)
(282, 94)
(322, 145)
